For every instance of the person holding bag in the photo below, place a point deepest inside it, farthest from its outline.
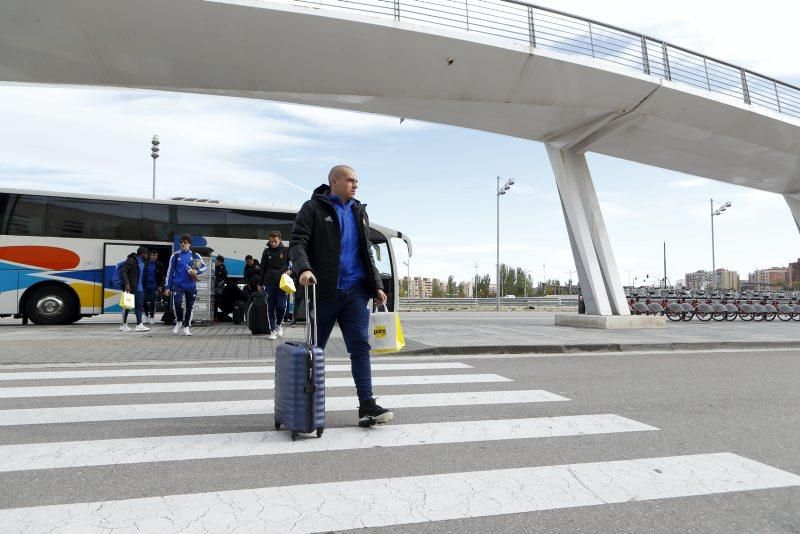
(274, 264)
(131, 274)
(330, 246)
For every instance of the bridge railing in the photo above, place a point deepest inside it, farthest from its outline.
(550, 29)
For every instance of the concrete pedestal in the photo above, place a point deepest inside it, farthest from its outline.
(611, 322)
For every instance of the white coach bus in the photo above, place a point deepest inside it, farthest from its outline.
(58, 251)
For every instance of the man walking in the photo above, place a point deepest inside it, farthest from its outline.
(275, 263)
(131, 274)
(330, 245)
(184, 267)
(153, 282)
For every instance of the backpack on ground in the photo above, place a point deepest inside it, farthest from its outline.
(169, 316)
(238, 311)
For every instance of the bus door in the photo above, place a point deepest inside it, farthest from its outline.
(113, 253)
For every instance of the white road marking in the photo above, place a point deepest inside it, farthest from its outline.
(407, 500)
(231, 385)
(27, 456)
(187, 371)
(120, 412)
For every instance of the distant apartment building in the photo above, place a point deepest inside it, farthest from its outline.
(727, 279)
(697, 280)
(794, 274)
(773, 277)
(419, 287)
(702, 280)
(467, 289)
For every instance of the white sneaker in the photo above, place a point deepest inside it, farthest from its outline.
(177, 328)
(273, 335)
(124, 328)
(280, 330)
(150, 320)
(140, 328)
(186, 331)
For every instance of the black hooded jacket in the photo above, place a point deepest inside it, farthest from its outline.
(316, 243)
(274, 262)
(129, 272)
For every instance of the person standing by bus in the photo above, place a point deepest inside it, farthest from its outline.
(184, 267)
(131, 274)
(274, 263)
(153, 283)
(330, 244)
(220, 283)
(250, 269)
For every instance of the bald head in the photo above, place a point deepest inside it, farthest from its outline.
(338, 171)
(343, 182)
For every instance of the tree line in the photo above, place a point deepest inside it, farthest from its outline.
(513, 281)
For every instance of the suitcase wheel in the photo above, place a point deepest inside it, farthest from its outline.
(294, 435)
(319, 432)
(277, 425)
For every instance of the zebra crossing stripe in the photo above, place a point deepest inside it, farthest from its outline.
(227, 370)
(232, 385)
(408, 500)
(83, 414)
(29, 456)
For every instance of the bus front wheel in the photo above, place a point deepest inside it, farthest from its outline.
(51, 305)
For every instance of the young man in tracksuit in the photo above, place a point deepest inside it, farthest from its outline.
(330, 245)
(153, 282)
(275, 263)
(184, 267)
(131, 274)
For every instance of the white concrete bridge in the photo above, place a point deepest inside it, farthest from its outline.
(499, 66)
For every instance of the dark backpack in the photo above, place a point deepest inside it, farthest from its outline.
(116, 279)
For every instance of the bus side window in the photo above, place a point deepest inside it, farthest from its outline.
(22, 214)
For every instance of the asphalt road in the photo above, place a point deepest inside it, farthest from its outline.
(668, 407)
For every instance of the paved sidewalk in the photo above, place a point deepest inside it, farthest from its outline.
(98, 340)
(519, 332)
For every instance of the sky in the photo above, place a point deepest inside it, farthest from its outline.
(435, 183)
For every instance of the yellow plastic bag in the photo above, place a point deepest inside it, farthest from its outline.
(127, 301)
(386, 332)
(287, 284)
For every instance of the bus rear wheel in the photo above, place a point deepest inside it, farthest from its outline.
(51, 305)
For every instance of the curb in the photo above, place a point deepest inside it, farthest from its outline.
(598, 347)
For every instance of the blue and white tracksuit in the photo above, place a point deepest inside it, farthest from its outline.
(180, 283)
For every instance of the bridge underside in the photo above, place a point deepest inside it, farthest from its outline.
(284, 53)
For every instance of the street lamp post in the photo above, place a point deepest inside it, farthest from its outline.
(476, 281)
(154, 154)
(713, 252)
(544, 279)
(500, 191)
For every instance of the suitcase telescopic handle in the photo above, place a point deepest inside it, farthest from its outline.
(311, 315)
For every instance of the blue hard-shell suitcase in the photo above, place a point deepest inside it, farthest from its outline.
(300, 381)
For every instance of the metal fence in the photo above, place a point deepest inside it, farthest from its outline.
(520, 302)
(554, 30)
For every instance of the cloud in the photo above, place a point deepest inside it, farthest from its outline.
(98, 140)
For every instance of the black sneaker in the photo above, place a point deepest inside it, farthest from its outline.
(369, 413)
